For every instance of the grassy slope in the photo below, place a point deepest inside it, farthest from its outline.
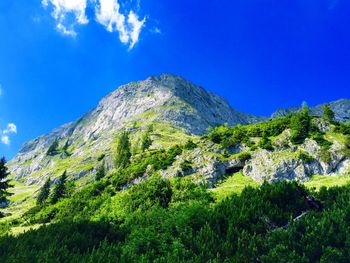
(235, 183)
(232, 184)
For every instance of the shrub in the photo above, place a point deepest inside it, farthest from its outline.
(244, 156)
(326, 156)
(186, 166)
(305, 157)
(300, 126)
(190, 145)
(265, 143)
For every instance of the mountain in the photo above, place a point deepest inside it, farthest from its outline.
(169, 102)
(340, 107)
(175, 183)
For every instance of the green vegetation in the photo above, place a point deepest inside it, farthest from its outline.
(190, 145)
(136, 213)
(4, 182)
(123, 154)
(176, 221)
(146, 141)
(233, 184)
(100, 172)
(328, 113)
(265, 143)
(53, 149)
(44, 193)
(300, 123)
(319, 181)
(304, 156)
(60, 189)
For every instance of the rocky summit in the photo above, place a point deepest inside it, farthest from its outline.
(167, 99)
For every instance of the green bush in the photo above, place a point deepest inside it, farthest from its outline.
(305, 157)
(244, 156)
(265, 143)
(190, 145)
(186, 166)
(326, 156)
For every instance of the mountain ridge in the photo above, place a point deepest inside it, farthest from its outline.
(180, 108)
(167, 99)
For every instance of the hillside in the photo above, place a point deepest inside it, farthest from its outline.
(175, 107)
(141, 179)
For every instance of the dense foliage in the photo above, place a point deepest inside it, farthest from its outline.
(177, 221)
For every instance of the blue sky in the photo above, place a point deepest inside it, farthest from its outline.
(58, 61)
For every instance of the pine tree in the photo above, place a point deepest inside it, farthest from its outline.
(44, 193)
(100, 172)
(146, 141)
(123, 153)
(60, 189)
(53, 149)
(65, 148)
(300, 125)
(4, 182)
(328, 113)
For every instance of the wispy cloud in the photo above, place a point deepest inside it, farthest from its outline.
(70, 13)
(11, 128)
(5, 139)
(0, 89)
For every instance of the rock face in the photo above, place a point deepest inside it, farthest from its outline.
(167, 99)
(289, 164)
(340, 107)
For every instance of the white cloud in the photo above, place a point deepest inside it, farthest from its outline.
(135, 28)
(5, 139)
(5, 134)
(68, 32)
(63, 8)
(11, 128)
(108, 13)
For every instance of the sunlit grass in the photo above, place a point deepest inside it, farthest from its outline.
(318, 181)
(233, 185)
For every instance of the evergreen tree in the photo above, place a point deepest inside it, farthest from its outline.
(4, 182)
(146, 141)
(60, 189)
(65, 148)
(100, 172)
(44, 193)
(300, 126)
(328, 113)
(53, 149)
(123, 153)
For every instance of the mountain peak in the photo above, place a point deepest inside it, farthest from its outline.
(166, 99)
